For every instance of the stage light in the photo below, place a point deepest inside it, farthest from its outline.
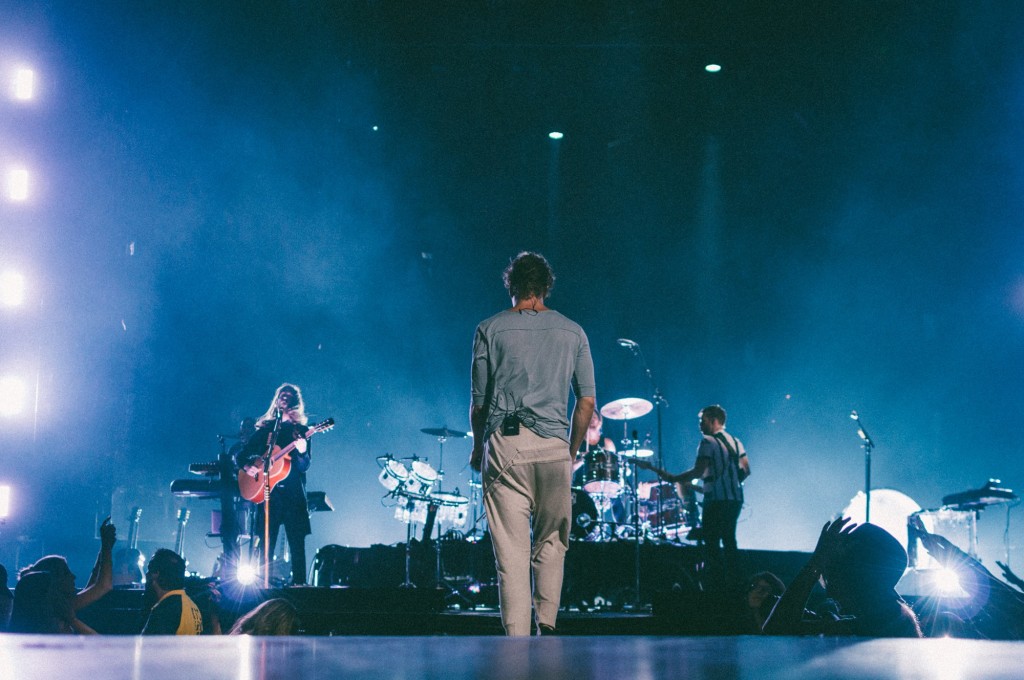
(713, 68)
(24, 84)
(17, 184)
(13, 396)
(5, 501)
(946, 583)
(12, 289)
(246, 574)
(555, 134)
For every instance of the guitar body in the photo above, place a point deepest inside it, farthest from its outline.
(251, 486)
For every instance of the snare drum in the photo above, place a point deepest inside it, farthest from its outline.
(602, 473)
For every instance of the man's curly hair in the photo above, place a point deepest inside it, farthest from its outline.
(529, 274)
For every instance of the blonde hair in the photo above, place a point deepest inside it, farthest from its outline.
(298, 412)
(274, 617)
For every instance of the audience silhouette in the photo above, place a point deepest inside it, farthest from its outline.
(859, 566)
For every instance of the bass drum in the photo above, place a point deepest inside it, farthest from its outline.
(602, 473)
(584, 516)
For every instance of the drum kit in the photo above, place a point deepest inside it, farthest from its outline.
(417, 487)
(608, 502)
(413, 484)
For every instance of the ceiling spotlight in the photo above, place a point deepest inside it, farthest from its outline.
(15, 396)
(24, 84)
(713, 68)
(555, 135)
(12, 289)
(17, 184)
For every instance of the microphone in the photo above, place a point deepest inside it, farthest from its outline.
(625, 342)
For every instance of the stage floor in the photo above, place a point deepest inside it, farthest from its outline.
(27, 657)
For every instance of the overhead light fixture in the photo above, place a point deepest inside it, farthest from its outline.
(24, 84)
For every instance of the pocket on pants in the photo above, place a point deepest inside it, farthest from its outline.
(543, 451)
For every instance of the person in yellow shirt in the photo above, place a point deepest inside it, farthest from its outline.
(173, 612)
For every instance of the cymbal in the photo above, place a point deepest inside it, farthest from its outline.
(626, 408)
(444, 432)
(639, 453)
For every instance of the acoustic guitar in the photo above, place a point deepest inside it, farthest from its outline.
(251, 477)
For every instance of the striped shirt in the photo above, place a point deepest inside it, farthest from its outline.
(722, 477)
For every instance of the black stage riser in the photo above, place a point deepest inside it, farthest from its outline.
(597, 575)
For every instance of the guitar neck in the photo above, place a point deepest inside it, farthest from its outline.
(663, 474)
(284, 451)
(305, 437)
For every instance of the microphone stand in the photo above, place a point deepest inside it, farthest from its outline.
(659, 400)
(868, 445)
(268, 453)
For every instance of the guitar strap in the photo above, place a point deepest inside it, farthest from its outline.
(734, 454)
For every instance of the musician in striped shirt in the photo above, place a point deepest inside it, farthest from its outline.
(722, 465)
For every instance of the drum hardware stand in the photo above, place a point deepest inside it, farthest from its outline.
(475, 501)
(408, 555)
(442, 434)
(638, 537)
(432, 509)
(868, 446)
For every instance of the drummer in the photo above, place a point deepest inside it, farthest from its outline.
(595, 441)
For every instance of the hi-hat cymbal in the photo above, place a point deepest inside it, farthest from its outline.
(626, 408)
(444, 432)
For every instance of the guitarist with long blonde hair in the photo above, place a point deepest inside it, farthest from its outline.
(283, 426)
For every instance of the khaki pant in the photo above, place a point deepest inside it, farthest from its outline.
(526, 481)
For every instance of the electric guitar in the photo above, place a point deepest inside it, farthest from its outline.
(684, 490)
(128, 561)
(251, 477)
